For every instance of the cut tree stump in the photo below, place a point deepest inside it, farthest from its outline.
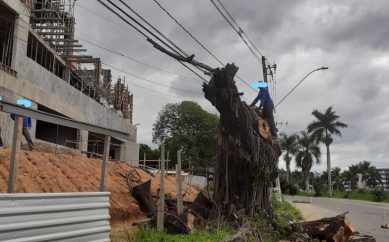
(246, 164)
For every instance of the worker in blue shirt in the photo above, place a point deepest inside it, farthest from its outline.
(26, 131)
(268, 108)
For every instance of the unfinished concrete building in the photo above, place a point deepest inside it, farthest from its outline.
(41, 60)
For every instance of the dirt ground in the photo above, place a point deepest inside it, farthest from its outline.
(66, 170)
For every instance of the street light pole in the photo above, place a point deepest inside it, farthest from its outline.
(318, 69)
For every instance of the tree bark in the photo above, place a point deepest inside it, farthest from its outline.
(246, 165)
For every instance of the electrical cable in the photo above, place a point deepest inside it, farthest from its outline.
(147, 80)
(161, 34)
(144, 79)
(142, 33)
(240, 29)
(237, 31)
(130, 58)
(195, 39)
(132, 29)
(152, 90)
(128, 72)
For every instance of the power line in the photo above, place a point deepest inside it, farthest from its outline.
(141, 32)
(156, 68)
(240, 29)
(236, 30)
(147, 80)
(144, 79)
(141, 78)
(102, 16)
(155, 29)
(195, 39)
(179, 24)
(130, 58)
(161, 34)
(152, 90)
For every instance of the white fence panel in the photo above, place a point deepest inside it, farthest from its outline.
(81, 216)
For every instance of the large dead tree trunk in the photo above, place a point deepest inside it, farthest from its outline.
(246, 165)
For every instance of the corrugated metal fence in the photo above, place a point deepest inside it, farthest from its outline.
(82, 216)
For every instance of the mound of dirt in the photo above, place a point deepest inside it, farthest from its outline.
(66, 170)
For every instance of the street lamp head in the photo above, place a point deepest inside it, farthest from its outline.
(324, 68)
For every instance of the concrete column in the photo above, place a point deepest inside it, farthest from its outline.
(83, 141)
(19, 49)
(129, 152)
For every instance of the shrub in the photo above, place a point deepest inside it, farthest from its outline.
(378, 194)
(293, 190)
(347, 194)
(285, 188)
(318, 187)
(362, 191)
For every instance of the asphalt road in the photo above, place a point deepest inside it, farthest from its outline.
(367, 217)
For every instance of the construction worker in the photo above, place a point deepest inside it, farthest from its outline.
(26, 129)
(268, 107)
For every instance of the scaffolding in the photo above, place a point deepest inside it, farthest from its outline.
(52, 44)
(7, 22)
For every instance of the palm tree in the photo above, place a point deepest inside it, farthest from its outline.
(288, 144)
(323, 129)
(308, 153)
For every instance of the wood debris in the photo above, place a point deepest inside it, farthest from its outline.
(333, 229)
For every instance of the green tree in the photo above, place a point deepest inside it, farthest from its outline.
(336, 178)
(151, 154)
(323, 128)
(349, 178)
(288, 145)
(369, 173)
(297, 178)
(186, 125)
(308, 153)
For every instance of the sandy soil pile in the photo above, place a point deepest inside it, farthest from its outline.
(67, 170)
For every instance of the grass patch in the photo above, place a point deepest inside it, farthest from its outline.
(364, 195)
(270, 229)
(145, 234)
(285, 213)
(274, 229)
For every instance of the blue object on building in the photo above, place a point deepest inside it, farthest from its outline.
(24, 102)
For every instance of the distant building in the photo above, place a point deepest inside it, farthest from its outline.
(384, 172)
(40, 60)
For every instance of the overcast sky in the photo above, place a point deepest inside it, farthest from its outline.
(350, 37)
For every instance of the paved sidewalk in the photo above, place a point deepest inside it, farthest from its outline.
(308, 211)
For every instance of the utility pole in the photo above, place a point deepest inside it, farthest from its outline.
(282, 124)
(264, 69)
(144, 160)
(161, 204)
(180, 208)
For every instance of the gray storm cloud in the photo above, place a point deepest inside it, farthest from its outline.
(348, 36)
